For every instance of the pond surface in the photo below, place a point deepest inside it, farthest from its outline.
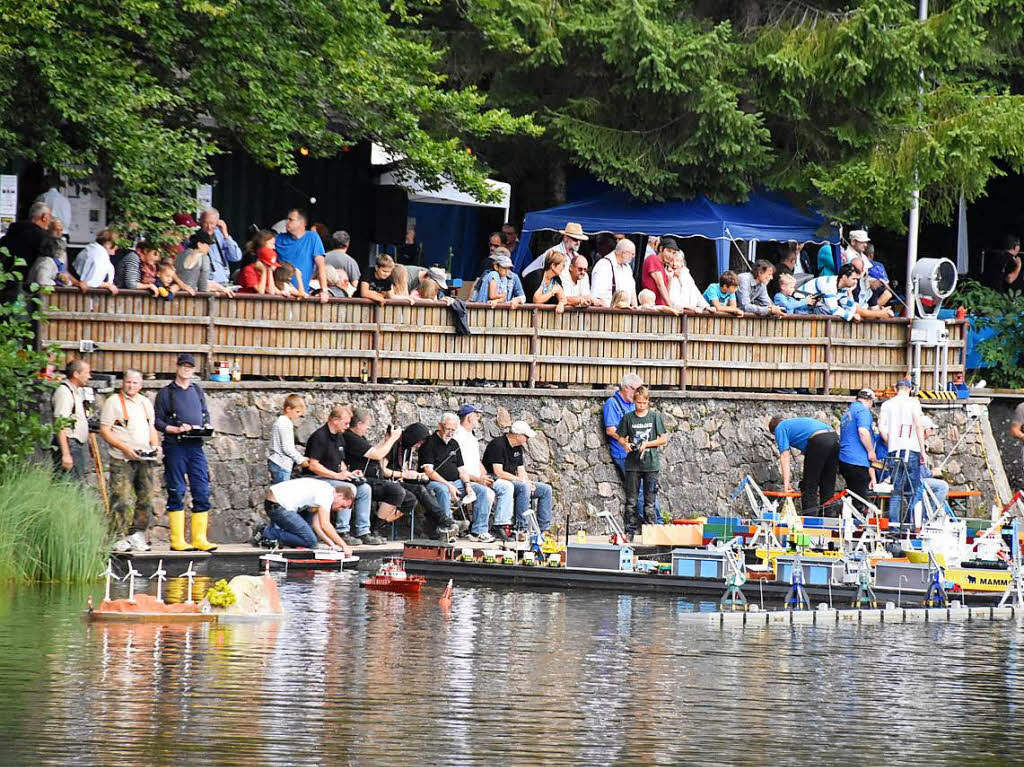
(503, 676)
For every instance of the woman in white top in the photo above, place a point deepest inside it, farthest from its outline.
(682, 290)
(93, 264)
(283, 454)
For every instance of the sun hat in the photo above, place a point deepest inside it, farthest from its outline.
(574, 230)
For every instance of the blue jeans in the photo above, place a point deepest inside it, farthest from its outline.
(504, 495)
(288, 527)
(939, 488)
(361, 507)
(183, 459)
(522, 496)
(906, 480)
(481, 506)
(277, 474)
(620, 464)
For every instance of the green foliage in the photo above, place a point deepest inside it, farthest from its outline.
(50, 529)
(147, 90)
(22, 429)
(1003, 313)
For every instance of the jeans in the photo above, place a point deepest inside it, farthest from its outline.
(131, 496)
(939, 488)
(277, 474)
(522, 496)
(183, 459)
(79, 455)
(906, 480)
(643, 484)
(481, 506)
(288, 527)
(655, 518)
(361, 506)
(504, 493)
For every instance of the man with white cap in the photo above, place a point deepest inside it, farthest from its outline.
(504, 457)
(857, 445)
(499, 492)
(901, 424)
(858, 244)
(572, 236)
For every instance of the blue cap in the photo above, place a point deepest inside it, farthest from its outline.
(904, 383)
(466, 410)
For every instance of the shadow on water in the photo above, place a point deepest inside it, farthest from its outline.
(502, 675)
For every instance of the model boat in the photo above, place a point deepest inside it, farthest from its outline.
(392, 577)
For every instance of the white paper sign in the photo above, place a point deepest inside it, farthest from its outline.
(8, 201)
(204, 198)
(88, 210)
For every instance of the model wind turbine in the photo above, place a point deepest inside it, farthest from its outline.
(190, 574)
(108, 574)
(161, 576)
(130, 577)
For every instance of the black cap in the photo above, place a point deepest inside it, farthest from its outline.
(667, 243)
(199, 237)
(186, 359)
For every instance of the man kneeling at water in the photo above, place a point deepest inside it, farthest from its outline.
(300, 513)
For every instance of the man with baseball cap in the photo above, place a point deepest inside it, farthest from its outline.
(857, 445)
(499, 492)
(572, 236)
(504, 458)
(900, 422)
(858, 244)
(180, 410)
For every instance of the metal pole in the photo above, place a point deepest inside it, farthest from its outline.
(915, 202)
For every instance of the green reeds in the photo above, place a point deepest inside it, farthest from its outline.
(50, 529)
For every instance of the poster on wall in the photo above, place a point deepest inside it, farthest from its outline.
(88, 209)
(204, 198)
(8, 201)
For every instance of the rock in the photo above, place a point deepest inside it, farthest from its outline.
(593, 440)
(538, 449)
(605, 489)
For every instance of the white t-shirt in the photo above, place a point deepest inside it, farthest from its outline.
(295, 494)
(94, 266)
(470, 452)
(684, 293)
(896, 419)
(610, 276)
(576, 289)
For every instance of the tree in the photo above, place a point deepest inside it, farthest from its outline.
(146, 91)
(671, 98)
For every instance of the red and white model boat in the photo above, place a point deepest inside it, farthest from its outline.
(392, 577)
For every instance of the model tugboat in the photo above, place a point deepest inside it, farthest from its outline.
(392, 577)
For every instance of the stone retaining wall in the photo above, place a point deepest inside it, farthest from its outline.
(715, 440)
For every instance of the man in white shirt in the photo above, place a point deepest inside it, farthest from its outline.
(127, 425)
(614, 273)
(68, 403)
(93, 264)
(59, 204)
(577, 287)
(572, 236)
(499, 491)
(900, 422)
(288, 505)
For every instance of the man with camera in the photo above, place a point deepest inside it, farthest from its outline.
(184, 420)
(392, 499)
(69, 404)
(127, 425)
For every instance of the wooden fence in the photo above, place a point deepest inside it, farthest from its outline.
(358, 340)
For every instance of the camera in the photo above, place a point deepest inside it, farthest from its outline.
(149, 454)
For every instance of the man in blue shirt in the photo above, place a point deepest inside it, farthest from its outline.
(820, 445)
(304, 250)
(224, 251)
(614, 408)
(181, 408)
(857, 445)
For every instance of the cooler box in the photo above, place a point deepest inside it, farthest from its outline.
(673, 535)
(698, 563)
(901, 575)
(599, 556)
(818, 571)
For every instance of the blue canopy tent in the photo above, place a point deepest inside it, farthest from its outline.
(762, 217)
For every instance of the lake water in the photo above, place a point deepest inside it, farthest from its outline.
(503, 676)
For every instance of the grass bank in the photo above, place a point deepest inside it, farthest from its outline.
(50, 529)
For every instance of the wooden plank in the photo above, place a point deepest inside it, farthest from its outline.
(754, 339)
(140, 319)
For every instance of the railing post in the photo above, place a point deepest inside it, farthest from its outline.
(211, 332)
(534, 346)
(828, 355)
(375, 362)
(685, 352)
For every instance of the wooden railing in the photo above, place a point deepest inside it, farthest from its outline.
(359, 340)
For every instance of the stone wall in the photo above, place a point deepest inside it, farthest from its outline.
(715, 440)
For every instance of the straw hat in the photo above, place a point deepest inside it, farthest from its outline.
(574, 230)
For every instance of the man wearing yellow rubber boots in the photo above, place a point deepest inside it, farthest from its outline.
(181, 414)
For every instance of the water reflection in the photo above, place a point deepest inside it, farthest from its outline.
(502, 675)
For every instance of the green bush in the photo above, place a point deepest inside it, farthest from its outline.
(50, 529)
(1004, 314)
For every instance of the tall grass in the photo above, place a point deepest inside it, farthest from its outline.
(50, 529)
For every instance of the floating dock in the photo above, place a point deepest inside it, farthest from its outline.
(832, 617)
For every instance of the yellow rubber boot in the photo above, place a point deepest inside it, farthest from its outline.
(199, 521)
(177, 521)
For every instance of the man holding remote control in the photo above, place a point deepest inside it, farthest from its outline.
(182, 416)
(127, 425)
